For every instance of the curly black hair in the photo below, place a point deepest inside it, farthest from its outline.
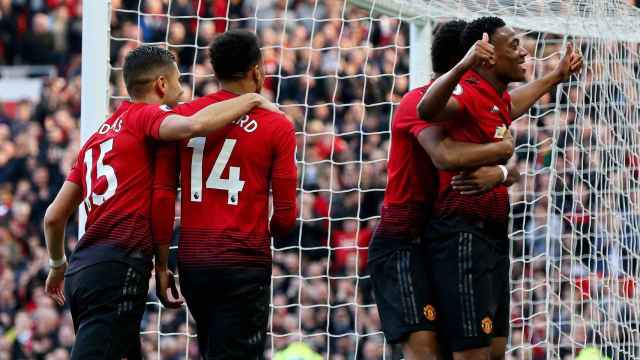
(233, 53)
(474, 30)
(445, 48)
(142, 65)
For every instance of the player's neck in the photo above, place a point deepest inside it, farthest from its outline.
(148, 99)
(491, 78)
(238, 87)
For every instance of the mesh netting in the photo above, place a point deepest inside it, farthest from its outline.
(339, 69)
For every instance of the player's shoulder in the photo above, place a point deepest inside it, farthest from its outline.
(272, 119)
(407, 109)
(469, 84)
(413, 96)
(138, 109)
(188, 108)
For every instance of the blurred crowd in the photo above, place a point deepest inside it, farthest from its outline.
(338, 75)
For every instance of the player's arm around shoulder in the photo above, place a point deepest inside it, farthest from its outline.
(211, 118)
(284, 174)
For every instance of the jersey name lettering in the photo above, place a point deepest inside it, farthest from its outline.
(247, 124)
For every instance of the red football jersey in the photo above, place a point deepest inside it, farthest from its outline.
(225, 181)
(115, 170)
(412, 181)
(486, 117)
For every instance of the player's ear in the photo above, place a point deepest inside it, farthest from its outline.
(258, 77)
(161, 85)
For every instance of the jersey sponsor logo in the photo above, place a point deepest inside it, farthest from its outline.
(458, 90)
(495, 109)
(487, 325)
(429, 312)
(247, 124)
(500, 131)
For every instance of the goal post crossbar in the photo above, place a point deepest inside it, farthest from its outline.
(612, 20)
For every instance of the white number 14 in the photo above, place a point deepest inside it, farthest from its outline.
(233, 185)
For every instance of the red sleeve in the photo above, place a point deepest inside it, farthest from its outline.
(150, 118)
(283, 180)
(164, 193)
(417, 126)
(464, 95)
(75, 174)
(187, 108)
(191, 107)
(407, 118)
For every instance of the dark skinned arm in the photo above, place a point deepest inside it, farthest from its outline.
(523, 97)
(483, 179)
(448, 154)
(437, 105)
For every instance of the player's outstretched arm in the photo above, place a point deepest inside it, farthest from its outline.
(211, 118)
(523, 97)
(165, 182)
(55, 221)
(448, 154)
(437, 105)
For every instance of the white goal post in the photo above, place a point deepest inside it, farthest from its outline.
(575, 217)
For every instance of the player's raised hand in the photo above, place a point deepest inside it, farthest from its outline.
(570, 63)
(54, 286)
(481, 53)
(166, 281)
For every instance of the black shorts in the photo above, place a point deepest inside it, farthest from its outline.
(503, 311)
(231, 310)
(402, 287)
(470, 268)
(107, 301)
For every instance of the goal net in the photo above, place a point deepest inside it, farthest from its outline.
(339, 68)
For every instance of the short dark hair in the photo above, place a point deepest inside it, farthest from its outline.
(233, 53)
(142, 65)
(473, 32)
(445, 48)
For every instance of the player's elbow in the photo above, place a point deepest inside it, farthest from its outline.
(53, 219)
(283, 222)
(195, 128)
(422, 110)
(442, 163)
(443, 159)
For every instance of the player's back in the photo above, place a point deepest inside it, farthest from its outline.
(225, 180)
(114, 168)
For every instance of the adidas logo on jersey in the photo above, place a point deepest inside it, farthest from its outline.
(495, 109)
